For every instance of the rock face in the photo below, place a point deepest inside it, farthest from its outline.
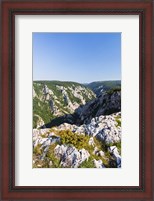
(75, 103)
(108, 103)
(70, 156)
(34, 93)
(44, 137)
(98, 164)
(74, 128)
(54, 98)
(105, 128)
(114, 151)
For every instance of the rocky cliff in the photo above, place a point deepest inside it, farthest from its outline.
(54, 98)
(105, 104)
(93, 145)
(83, 129)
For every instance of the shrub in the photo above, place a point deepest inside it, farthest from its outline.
(78, 141)
(41, 163)
(118, 121)
(82, 141)
(37, 150)
(117, 144)
(51, 156)
(87, 163)
(111, 91)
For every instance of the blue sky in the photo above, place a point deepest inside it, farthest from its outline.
(79, 57)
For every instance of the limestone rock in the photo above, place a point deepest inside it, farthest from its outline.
(114, 151)
(103, 127)
(91, 141)
(70, 156)
(98, 164)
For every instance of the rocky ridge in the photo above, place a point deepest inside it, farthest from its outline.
(55, 98)
(102, 136)
(102, 86)
(105, 128)
(105, 104)
(84, 129)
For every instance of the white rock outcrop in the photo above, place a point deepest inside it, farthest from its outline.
(114, 151)
(70, 156)
(104, 128)
(98, 164)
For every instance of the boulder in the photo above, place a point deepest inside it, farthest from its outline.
(101, 153)
(114, 151)
(96, 150)
(91, 142)
(98, 164)
(70, 156)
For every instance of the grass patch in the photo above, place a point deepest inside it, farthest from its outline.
(118, 120)
(87, 163)
(82, 141)
(70, 138)
(51, 156)
(78, 141)
(37, 150)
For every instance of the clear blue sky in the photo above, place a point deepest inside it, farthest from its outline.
(79, 57)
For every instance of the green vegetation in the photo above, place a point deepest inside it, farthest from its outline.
(41, 106)
(82, 141)
(35, 120)
(105, 85)
(88, 163)
(41, 163)
(37, 150)
(118, 120)
(79, 142)
(50, 154)
(38, 85)
(111, 91)
(37, 88)
(117, 144)
(43, 110)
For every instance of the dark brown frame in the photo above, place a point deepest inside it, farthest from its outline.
(10, 8)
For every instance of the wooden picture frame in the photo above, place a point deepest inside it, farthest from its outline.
(9, 9)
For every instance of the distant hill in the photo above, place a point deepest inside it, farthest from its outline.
(102, 86)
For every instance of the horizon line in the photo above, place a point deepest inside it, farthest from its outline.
(76, 81)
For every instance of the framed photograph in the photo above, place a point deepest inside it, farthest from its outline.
(77, 100)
